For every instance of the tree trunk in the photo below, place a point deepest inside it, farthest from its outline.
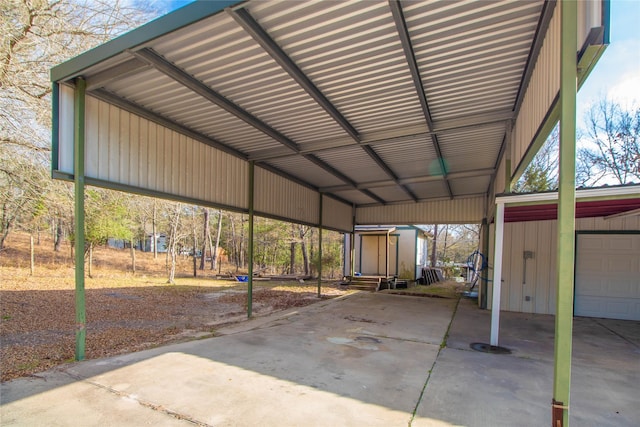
(195, 244)
(214, 252)
(90, 267)
(444, 247)
(206, 240)
(154, 238)
(303, 247)
(32, 258)
(58, 239)
(292, 251)
(133, 259)
(434, 246)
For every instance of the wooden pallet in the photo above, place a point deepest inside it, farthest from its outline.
(369, 283)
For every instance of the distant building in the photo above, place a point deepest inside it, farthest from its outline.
(400, 251)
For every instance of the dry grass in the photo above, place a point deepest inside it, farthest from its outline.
(125, 312)
(446, 289)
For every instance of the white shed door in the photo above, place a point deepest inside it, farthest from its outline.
(608, 276)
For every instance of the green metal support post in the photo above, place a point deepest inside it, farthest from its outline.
(78, 177)
(250, 243)
(566, 214)
(320, 250)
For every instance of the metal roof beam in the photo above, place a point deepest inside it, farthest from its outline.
(387, 135)
(389, 172)
(246, 21)
(403, 33)
(190, 82)
(412, 180)
(120, 71)
(185, 79)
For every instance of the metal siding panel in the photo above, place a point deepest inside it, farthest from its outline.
(336, 215)
(539, 95)
(92, 138)
(125, 133)
(65, 129)
(134, 152)
(125, 149)
(457, 211)
(275, 195)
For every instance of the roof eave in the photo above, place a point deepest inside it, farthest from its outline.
(166, 24)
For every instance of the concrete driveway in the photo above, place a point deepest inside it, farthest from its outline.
(365, 360)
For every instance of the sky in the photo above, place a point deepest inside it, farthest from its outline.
(617, 74)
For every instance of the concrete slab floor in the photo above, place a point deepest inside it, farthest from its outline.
(359, 361)
(478, 389)
(365, 360)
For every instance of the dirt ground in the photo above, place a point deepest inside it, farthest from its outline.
(125, 312)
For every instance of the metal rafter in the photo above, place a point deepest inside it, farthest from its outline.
(403, 33)
(388, 135)
(185, 79)
(251, 26)
(411, 180)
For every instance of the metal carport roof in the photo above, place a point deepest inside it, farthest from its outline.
(372, 103)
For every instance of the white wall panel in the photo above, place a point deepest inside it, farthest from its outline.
(65, 129)
(457, 211)
(280, 197)
(540, 237)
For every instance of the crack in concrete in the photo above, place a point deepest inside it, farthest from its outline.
(442, 345)
(143, 403)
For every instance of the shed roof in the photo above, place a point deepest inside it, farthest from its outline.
(373, 103)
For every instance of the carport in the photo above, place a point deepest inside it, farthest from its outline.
(334, 114)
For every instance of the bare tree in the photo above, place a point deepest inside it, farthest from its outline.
(611, 145)
(542, 172)
(174, 238)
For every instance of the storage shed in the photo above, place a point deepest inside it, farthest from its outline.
(399, 251)
(607, 261)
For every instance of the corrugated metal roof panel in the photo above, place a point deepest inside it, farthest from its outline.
(408, 157)
(352, 52)
(238, 68)
(429, 190)
(354, 163)
(470, 186)
(305, 169)
(391, 193)
(354, 196)
(348, 60)
(464, 44)
(474, 148)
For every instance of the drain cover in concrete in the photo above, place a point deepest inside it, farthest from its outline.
(488, 348)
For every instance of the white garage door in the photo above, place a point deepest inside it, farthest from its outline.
(608, 276)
